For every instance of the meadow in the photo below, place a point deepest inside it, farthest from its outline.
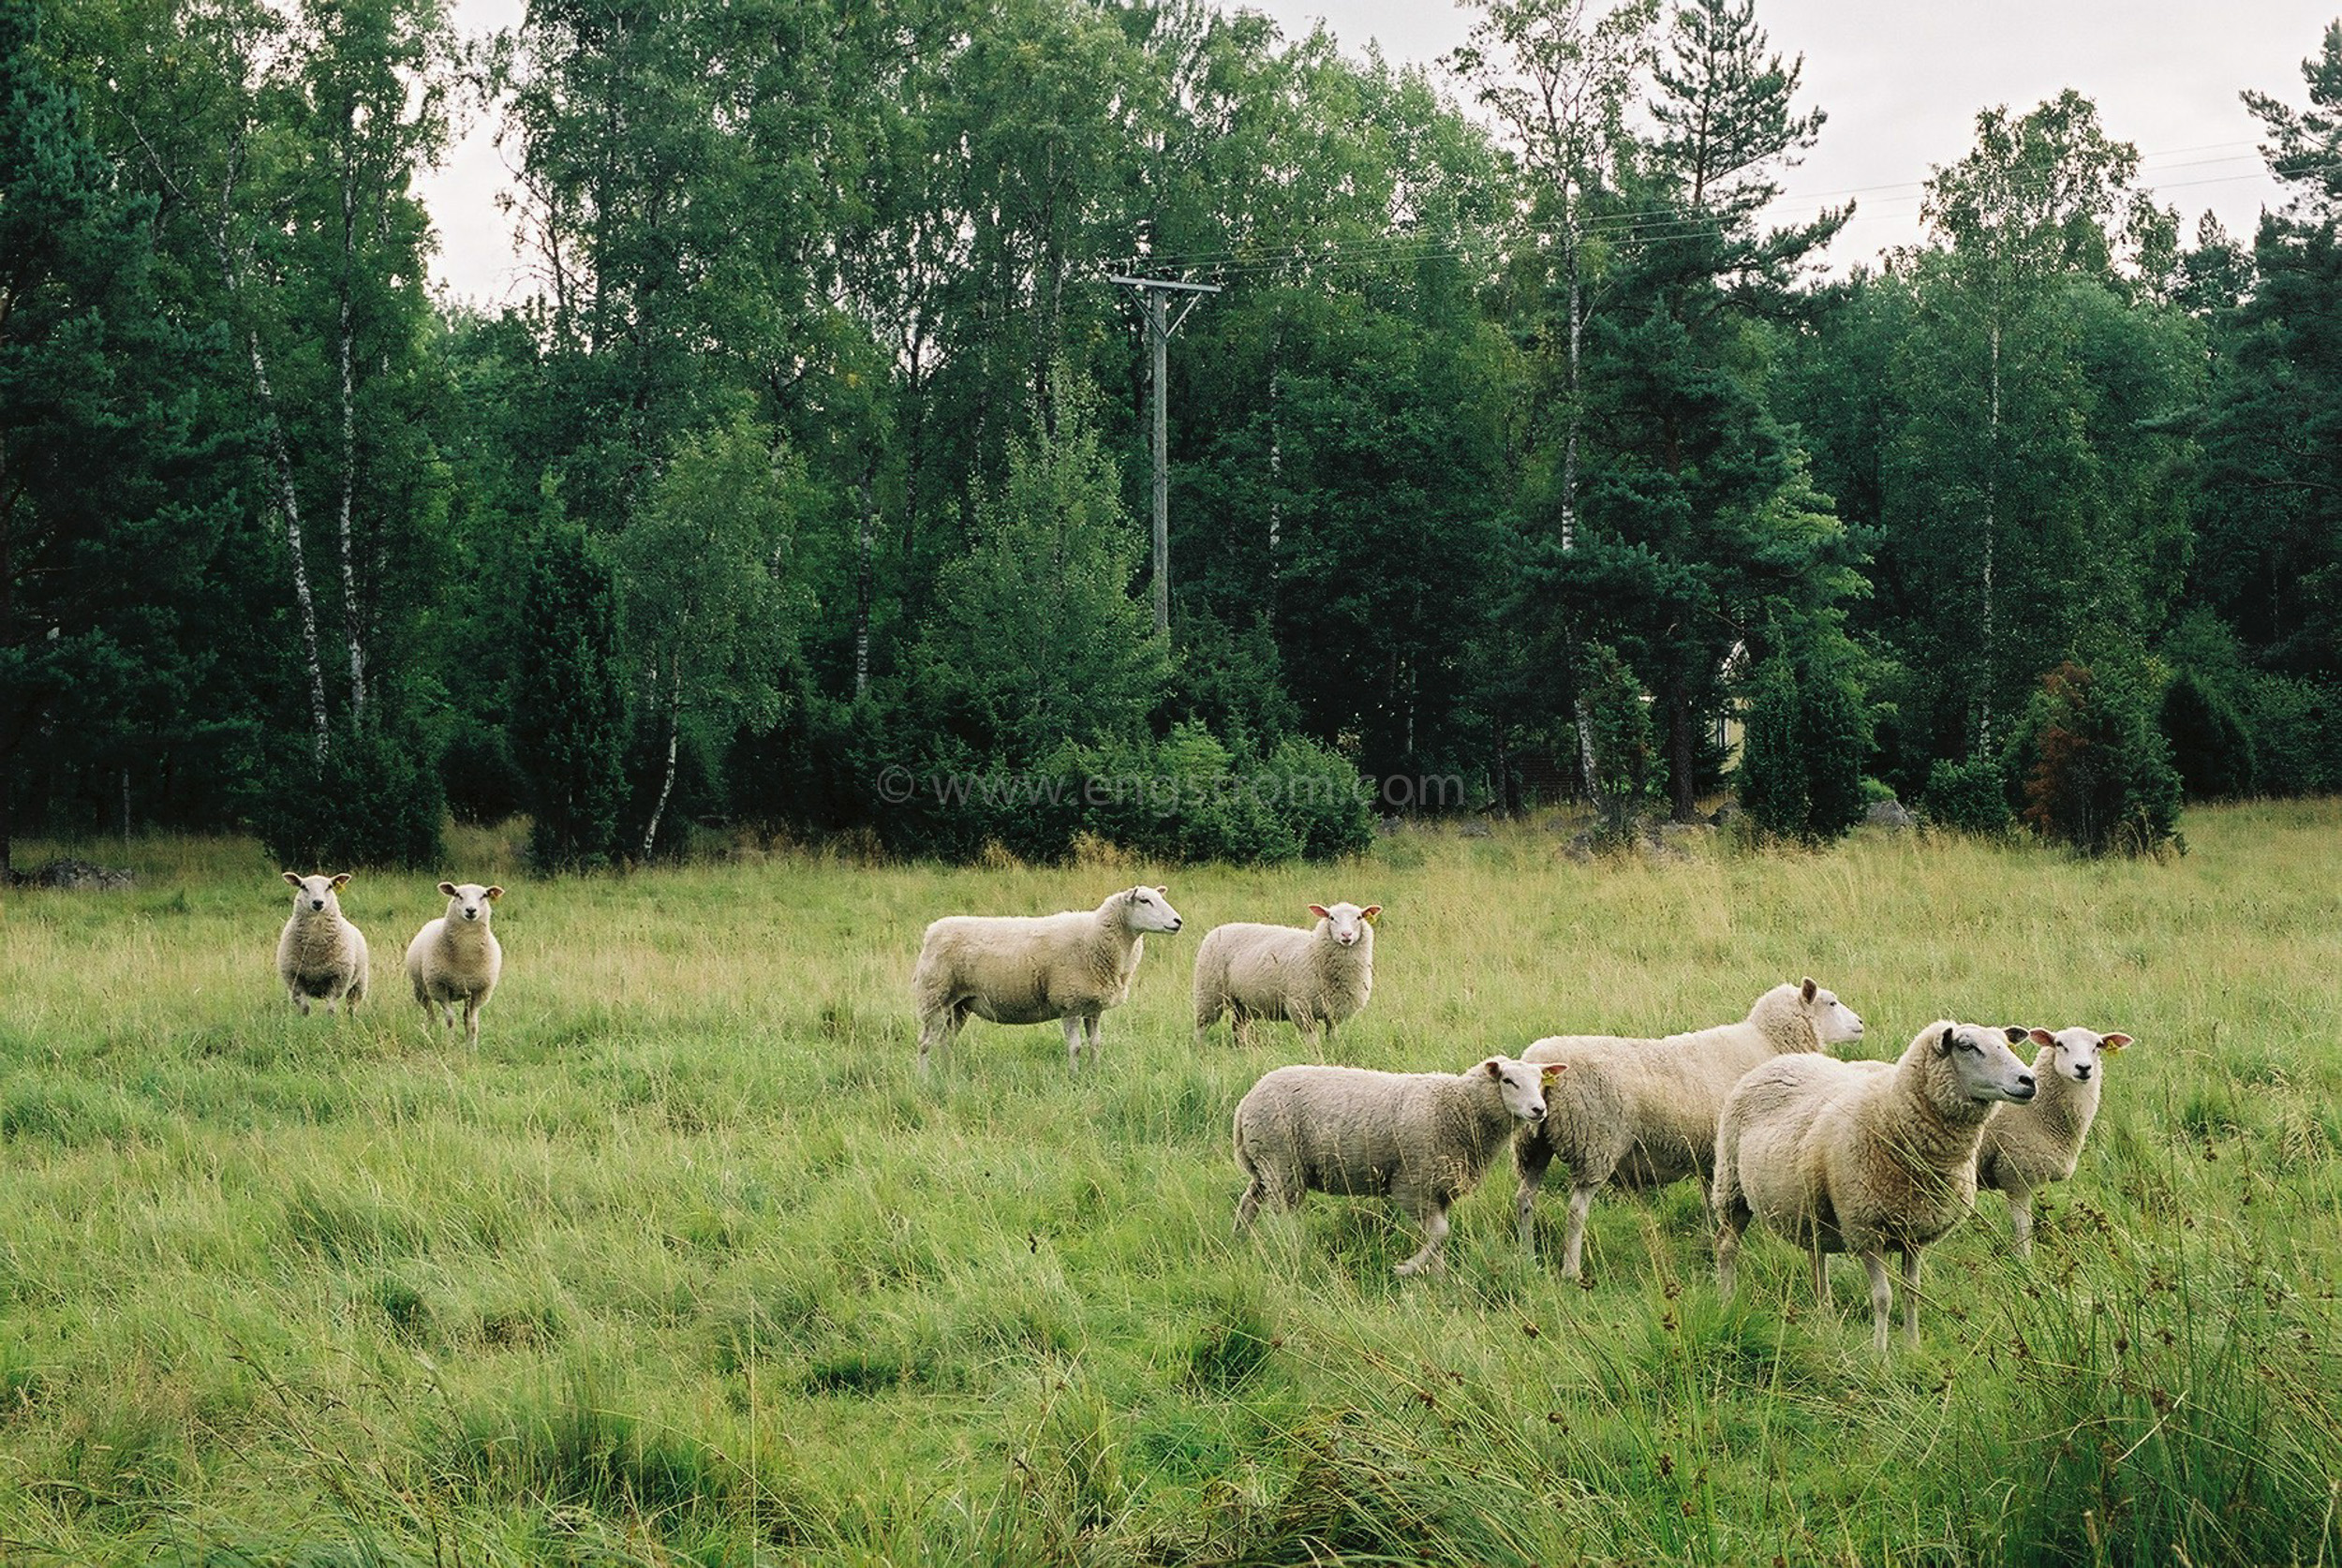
(686, 1264)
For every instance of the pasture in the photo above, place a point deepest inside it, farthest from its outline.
(687, 1266)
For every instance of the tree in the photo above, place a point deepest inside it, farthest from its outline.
(1039, 641)
(112, 505)
(568, 701)
(2270, 553)
(711, 599)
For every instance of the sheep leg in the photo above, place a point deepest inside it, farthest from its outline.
(936, 1030)
(1882, 1297)
(1434, 1218)
(2021, 1218)
(1249, 1205)
(1073, 1022)
(1821, 1273)
(1531, 1153)
(1911, 1296)
(471, 1021)
(301, 1002)
(1731, 1216)
(1573, 1239)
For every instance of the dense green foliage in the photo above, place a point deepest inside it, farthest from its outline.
(1515, 433)
(670, 1273)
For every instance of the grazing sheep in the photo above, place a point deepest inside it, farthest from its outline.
(321, 956)
(1029, 969)
(2030, 1145)
(1313, 978)
(455, 958)
(1863, 1157)
(1420, 1139)
(1642, 1112)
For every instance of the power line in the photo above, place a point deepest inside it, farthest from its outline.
(1650, 224)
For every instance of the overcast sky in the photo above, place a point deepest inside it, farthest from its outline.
(1902, 83)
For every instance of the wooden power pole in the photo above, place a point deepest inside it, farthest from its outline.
(1159, 330)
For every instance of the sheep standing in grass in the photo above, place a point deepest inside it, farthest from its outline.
(1030, 968)
(456, 958)
(2032, 1144)
(321, 955)
(1863, 1157)
(1313, 978)
(1420, 1139)
(1642, 1112)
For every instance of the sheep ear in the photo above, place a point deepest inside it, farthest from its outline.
(1165, 891)
(2113, 1042)
(2041, 1037)
(292, 877)
(1369, 914)
(494, 894)
(1321, 911)
(1493, 1067)
(1553, 1069)
(1806, 988)
(2016, 1035)
(448, 888)
(1952, 1038)
(341, 880)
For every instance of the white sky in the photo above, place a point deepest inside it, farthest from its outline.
(1901, 80)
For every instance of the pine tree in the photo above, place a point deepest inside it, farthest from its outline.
(569, 709)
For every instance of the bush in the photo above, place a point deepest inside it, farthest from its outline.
(2101, 777)
(373, 799)
(2207, 740)
(1968, 797)
(482, 784)
(1625, 753)
(1800, 771)
(2296, 731)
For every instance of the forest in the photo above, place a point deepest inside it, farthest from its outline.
(807, 491)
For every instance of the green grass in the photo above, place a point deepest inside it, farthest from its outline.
(687, 1266)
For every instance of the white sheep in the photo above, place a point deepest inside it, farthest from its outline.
(1863, 1156)
(1642, 1112)
(2030, 1145)
(456, 958)
(321, 956)
(1420, 1139)
(1315, 977)
(1030, 968)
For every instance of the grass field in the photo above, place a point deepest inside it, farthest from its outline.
(686, 1264)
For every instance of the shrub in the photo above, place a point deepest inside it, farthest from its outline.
(372, 800)
(1625, 753)
(1968, 797)
(2101, 776)
(484, 785)
(2296, 731)
(2207, 740)
(1800, 771)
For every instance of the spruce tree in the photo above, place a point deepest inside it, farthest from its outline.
(568, 713)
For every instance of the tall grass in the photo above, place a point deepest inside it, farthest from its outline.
(687, 1265)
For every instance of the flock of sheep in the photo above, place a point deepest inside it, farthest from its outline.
(1860, 1157)
(321, 956)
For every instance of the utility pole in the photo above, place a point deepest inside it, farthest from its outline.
(1159, 332)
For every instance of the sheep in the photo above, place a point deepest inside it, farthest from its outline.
(1030, 968)
(2030, 1145)
(456, 958)
(1420, 1139)
(1315, 978)
(1861, 1156)
(1643, 1112)
(321, 956)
